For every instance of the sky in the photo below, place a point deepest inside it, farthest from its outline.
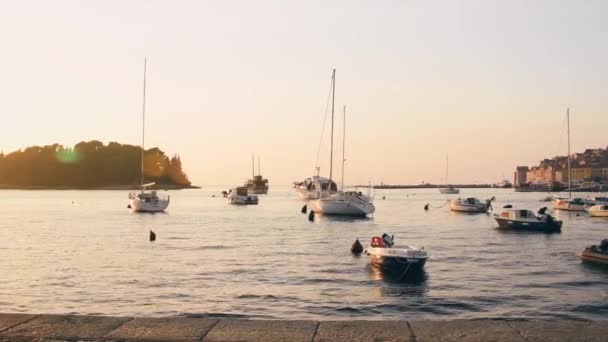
(486, 83)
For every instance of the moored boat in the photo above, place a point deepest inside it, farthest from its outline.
(470, 205)
(257, 184)
(574, 204)
(148, 201)
(596, 253)
(400, 260)
(598, 210)
(450, 190)
(523, 219)
(240, 196)
(345, 203)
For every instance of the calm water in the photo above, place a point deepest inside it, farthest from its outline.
(84, 252)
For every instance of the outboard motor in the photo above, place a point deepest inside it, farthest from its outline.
(388, 240)
(508, 206)
(542, 211)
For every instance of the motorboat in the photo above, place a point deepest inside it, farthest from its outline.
(503, 184)
(240, 196)
(523, 219)
(345, 203)
(450, 190)
(569, 204)
(598, 210)
(385, 256)
(316, 187)
(470, 205)
(148, 201)
(257, 184)
(596, 253)
(598, 200)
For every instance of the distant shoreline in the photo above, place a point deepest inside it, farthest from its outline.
(429, 186)
(109, 187)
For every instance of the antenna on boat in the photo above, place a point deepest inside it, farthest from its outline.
(343, 145)
(333, 98)
(143, 126)
(569, 167)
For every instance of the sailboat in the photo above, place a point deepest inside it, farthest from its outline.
(146, 201)
(570, 204)
(318, 187)
(344, 203)
(257, 184)
(448, 188)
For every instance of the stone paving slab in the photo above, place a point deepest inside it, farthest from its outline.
(534, 331)
(393, 331)
(268, 331)
(10, 320)
(66, 327)
(464, 331)
(163, 329)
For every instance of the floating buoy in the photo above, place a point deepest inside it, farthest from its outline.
(152, 235)
(311, 216)
(128, 206)
(383, 197)
(212, 195)
(356, 248)
(304, 208)
(426, 206)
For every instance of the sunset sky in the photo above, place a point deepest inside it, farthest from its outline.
(485, 82)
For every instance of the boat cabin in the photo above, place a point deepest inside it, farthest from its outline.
(518, 214)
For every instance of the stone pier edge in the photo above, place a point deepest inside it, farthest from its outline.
(56, 328)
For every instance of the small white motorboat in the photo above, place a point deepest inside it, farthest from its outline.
(596, 253)
(470, 205)
(148, 201)
(523, 219)
(240, 196)
(575, 204)
(598, 210)
(401, 260)
(450, 190)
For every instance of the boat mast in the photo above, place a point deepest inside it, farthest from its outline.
(343, 145)
(259, 168)
(569, 167)
(143, 126)
(333, 97)
(446, 170)
(252, 166)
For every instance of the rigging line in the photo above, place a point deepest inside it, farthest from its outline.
(561, 136)
(323, 127)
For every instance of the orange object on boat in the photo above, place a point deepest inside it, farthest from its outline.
(377, 242)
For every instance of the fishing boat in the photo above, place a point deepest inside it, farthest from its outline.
(239, 196)
(144, 200)
(319, 187)
(596, 253)
(598, 210)
(470, 205)
(449, 190)
(344, 203)
(569, 204)
(523, 219)
(257, 184)
(385, 256)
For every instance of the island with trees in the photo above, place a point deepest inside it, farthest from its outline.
(90, 165)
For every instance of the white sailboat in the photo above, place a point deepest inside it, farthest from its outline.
(344, 203)
(448, 188)
(146, 201)
(318, 187)
(569, 204)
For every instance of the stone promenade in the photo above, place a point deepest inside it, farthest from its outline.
(55, 328)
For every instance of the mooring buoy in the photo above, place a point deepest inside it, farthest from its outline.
(128, 206)
(152, 235)
(426, 206)
(304, 209)
(311, 216)
(356, 248)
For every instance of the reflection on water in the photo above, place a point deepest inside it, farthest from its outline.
(85, 252)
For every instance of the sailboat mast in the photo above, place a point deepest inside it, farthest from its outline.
(333, 97)
(569, 166)
(259, 168)
(143, 126)
(343, 145)
(447, 163)
(252, 166)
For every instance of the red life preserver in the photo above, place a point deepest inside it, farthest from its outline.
(377, 241)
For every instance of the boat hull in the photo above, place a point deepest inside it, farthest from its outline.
(342, 207)
(544, 226)
(398, 265)
(257, 191)
(449, 191)
(243, 200)
(598, 211)
(567, 205)
(151, 206)
(590, 256)
(468, 208)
